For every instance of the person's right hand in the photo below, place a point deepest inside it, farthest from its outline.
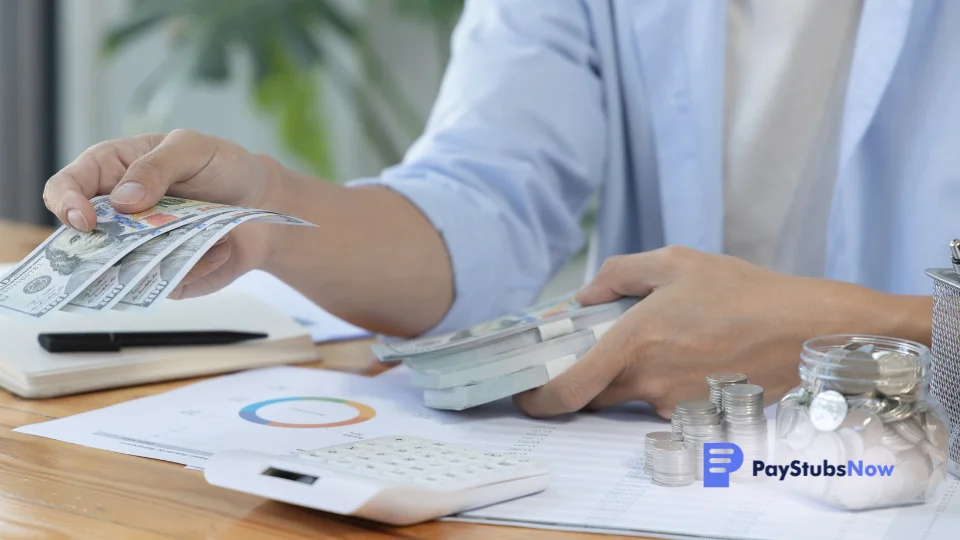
(137, 171)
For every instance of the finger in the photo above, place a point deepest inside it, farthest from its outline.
(95, 172)
(67, 193)
(213, 259)
(179, 157)
(613, 395)
(213, 281)
(634, 275)
(581, 383)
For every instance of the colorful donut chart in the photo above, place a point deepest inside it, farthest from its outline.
(364, 412)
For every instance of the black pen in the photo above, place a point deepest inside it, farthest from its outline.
(115, 341)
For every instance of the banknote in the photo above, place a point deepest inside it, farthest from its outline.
(164, 276)
(108, 289)
(69, 261)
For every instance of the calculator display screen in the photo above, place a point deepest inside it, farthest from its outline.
(290, 475)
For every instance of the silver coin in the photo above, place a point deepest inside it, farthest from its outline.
(718, 379)
(898, 373)
(897, 410)
(866, 425)
(854, 373)
(828, 410)
(859, 346)
(872, 404)
(740, 391)
(909, 430)
(700, 406)
(649, 440)
(936, 432)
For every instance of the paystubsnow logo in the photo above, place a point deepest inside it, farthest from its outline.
(720, 460)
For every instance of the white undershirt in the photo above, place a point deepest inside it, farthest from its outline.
(787, 64)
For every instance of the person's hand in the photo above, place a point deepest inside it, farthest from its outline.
(138, 171)
(702, 314)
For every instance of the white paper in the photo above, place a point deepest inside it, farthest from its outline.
(598, 481)
(189, 424)
(323, 326)
(270, 290)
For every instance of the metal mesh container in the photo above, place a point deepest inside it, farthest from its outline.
(945, 367)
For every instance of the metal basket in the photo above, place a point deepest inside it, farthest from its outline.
(945, 367)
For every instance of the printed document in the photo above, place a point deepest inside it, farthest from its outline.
(597, 459)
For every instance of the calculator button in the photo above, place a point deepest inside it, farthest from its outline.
(320, 458)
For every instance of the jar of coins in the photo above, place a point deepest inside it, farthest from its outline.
(862, 430)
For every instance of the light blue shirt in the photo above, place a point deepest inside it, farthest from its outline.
(548, 102)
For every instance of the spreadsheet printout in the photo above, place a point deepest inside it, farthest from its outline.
(599, 486)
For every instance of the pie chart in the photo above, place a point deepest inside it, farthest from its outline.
(307, 412)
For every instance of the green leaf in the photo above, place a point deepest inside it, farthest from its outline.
(293, 97)
(331, 14)
(439, 10)
(211, 60)
(145, 16)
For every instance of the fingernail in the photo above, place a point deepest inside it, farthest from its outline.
(129, 193)
(77, 221)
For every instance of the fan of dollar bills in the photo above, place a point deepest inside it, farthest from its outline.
(503, 357)
(128, 262)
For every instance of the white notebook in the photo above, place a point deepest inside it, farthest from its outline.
(28, 370)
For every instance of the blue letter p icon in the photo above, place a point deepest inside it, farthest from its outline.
(719, 460)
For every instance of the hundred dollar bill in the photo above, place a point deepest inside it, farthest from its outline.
(165, 275)
(67, 262)
(108, 289)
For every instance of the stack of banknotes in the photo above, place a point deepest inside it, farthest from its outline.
(128, 262)
(503, 357)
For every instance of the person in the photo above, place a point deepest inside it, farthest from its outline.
(766, 172)
(79, 256)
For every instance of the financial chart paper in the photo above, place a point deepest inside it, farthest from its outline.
(598, 481)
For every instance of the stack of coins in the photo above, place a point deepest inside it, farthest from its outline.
(673, 464)
(676, 424)
(652, 438)
(680, 411)
(745, 424)
(743, 405)
(718, 380)
(701, 423)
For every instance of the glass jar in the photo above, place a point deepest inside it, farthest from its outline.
(862, 430)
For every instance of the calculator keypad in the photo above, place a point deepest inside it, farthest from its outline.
(416, 460)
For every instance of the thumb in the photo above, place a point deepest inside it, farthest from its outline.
(179, 157)
(576, 387)
(634, 275)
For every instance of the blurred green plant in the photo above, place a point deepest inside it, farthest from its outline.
(290, 44)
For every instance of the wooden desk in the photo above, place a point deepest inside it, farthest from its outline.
(50, 489)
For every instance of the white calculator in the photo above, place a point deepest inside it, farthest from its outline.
(395, 480)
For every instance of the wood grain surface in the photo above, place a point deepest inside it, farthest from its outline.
(54, 490)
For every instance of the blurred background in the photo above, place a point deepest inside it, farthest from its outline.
(335, 88)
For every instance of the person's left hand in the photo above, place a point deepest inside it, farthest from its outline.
(702, 314)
